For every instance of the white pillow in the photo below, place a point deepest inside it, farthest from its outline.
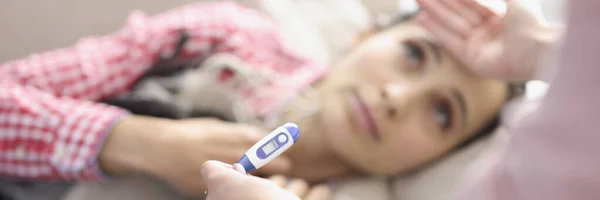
(320, 29)
(297, 31)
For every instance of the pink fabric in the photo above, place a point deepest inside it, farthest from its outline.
(50, 127)
(553, 154)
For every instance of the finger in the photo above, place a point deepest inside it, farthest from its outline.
(487, 64)
(448, 39)
(250, 134)
(482, 36)
(320, 192)
(298, 187)
(237, 136)
(238, 167)
(241, 130)
(227, 152)
(519, 16)
(483, 11)
(279, 180)
(495, 25)
(474, 48)
(484, 53)
(446, 17)
(279, 165)
(212, 165)
(215, 172)
(465, 10)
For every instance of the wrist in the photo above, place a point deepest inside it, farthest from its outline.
(547, 34)
(131, 145)
(546, 38)
(529, 49)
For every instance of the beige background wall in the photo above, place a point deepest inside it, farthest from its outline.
(36, 25)
(28, 26)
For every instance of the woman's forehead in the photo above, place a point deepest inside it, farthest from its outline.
(410, 28)
(483, 96)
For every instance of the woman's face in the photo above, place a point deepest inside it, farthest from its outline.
(398, 101)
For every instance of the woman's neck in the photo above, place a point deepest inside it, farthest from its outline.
(312, 157)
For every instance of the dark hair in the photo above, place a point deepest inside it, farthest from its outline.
(514, 89)
(384, 22)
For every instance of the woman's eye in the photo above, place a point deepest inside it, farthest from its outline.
(414, 55)
(443, 115)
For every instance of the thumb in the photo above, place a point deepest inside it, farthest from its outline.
(519, 15)
(215, 173)
(280, 165)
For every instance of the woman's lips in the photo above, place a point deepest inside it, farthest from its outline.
(363, 116)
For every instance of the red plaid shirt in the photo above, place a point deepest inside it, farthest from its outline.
(50, 125)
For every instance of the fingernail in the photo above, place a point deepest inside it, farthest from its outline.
(204, 167)
(212, 165)
(238, 167)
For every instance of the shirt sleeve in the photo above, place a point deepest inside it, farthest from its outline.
(51, 127)
(552, 154)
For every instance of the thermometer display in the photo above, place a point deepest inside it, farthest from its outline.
(271, 146)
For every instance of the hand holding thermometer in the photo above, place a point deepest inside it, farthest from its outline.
(271, 146)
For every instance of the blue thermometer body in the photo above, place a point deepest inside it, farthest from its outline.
(270, 146)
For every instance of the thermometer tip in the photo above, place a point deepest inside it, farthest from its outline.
(248, 166)
(293, 130)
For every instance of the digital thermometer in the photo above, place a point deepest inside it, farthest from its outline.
(270, 147)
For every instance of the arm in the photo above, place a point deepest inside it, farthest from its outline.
(47, 137)
(51, 129)
(100, 67)
(553, 153)
(507, 47)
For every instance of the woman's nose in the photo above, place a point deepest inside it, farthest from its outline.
(398, 98)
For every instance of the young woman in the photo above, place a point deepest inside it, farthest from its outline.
(508, 48)
(396, 102)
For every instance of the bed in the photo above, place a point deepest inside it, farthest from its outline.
(326, 27)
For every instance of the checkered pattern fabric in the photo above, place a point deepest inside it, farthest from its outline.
(50, 125)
